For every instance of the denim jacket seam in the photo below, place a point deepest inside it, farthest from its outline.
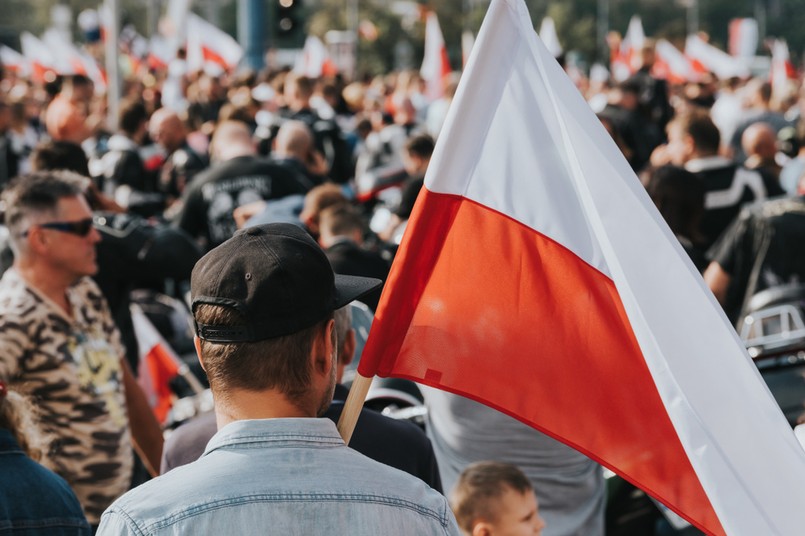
(130, 521)
(195, 510)
(285, 439)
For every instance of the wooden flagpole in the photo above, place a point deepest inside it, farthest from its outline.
(353, 405)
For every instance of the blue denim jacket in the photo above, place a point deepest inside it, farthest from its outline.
(281, 476)
(35, 501)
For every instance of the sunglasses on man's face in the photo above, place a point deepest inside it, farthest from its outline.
(78, 228)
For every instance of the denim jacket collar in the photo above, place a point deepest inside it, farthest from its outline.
(241, 434)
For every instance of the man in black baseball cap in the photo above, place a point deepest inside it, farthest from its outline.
(263, 305)
(273, 286)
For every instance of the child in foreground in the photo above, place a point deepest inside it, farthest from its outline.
(495, 499)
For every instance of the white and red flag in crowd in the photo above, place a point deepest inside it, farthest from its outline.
(743, 37)
(537, 277)
(625, 57)
(435, 63)
(782, 70)
(12, 60)
(208, 44)
(36, 52)
(314, 61)
(160, 52)
(69, 59)
(158, 364)
(547, 32)
(714, 60)
(672, 65)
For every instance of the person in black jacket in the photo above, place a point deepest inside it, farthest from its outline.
(341, 233)
(124, 174)
(328, 136)
(237, 177)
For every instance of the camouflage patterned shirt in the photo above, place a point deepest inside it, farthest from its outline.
(71, 367)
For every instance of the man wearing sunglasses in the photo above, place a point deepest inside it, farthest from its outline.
(59, 343)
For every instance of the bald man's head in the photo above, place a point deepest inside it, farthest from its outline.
(231, 139)
(761, 140)
(294, 140)
(167, 129)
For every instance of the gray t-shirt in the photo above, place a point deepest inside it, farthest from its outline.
(568, 485)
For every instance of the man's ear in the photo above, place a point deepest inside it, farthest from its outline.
(37, 240)
(197, 344)
(323, 351)
(347, 350)
(690, 145)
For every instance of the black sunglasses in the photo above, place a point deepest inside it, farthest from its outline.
(78, 228)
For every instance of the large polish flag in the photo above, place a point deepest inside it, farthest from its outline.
(536, 276)
(435, 63)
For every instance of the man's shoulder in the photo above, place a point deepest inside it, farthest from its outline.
(87, 290)
(320, 479)
(16, 299)
(240, 166)
(396, 433)
(186, 158)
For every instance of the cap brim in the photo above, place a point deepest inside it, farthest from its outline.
(350, 287)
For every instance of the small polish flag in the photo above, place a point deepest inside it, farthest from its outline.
(743, 37)
(158, 364)
(435, 63)
(207, 43)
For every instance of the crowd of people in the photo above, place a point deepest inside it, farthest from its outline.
(267, 202)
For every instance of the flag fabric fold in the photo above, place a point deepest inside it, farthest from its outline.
(537, 277)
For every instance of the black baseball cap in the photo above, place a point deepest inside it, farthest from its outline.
(277, 276)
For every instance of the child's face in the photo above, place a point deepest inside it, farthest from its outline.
(518, 515)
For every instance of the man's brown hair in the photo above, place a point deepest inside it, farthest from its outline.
(698, 125)
(280, 363)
